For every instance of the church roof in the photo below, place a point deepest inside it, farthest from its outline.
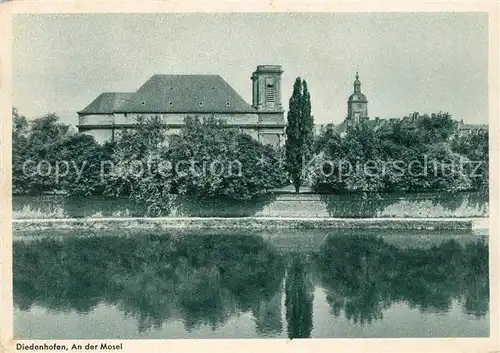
(174, 94)
(106, 103)
(186, 94)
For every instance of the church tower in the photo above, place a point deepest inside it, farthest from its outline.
(357, 106)
(266, 88)
(266, 100)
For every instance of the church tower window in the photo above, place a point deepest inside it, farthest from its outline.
(266, 88)
(269, 91)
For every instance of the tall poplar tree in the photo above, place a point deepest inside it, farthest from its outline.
(299, 132)
(307, 123)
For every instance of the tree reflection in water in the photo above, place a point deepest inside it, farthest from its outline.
(204, 279)
(299, 290)
(364, 275)
(199, 279)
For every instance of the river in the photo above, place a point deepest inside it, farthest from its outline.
(238, 284)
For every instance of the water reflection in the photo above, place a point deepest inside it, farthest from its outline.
(363, 276)
(206, 279)
(299, 297)
(199, 279)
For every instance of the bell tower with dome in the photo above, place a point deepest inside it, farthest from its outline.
(357, 105)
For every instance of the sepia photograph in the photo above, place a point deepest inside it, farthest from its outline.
(249, 175)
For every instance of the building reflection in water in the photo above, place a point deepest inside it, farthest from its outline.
(205, 279)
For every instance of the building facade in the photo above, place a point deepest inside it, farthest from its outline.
(174, 97)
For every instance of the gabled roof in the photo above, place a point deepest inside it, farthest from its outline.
(370, 123)
(106, 103)
(341, 128)
(186, 94)
(412, 121)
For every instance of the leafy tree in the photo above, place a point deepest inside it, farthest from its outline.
(20, 125)
(475, 148)
(85, 157)
(299, 133)
(47, 130)
(221, 162)
(36, 142)
(20, 131)
(438, 127)
(421, 154)
(44, 144)
(342, 165)
(136, 168)
(206, 160)
(324, 141)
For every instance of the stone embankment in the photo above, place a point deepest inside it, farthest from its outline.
(475, 224)
(460, 205)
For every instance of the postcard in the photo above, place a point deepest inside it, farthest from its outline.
(244, 176)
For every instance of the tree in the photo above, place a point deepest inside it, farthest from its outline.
(54, 158)
(20, 130)
(475, 148)
(137, 166)
(195, 278)
(20, 125)
(221, 162)
(207, 159)
(299, 133)
(84, 157)
(405, 155)
(307, 122)
(36, 142)
(439, 127)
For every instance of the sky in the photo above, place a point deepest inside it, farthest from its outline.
(408, 62)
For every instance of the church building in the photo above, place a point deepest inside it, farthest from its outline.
(357, 105)
(174, 97)
(357, 109)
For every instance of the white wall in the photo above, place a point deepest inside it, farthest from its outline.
(265, 135)
(100, 135)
